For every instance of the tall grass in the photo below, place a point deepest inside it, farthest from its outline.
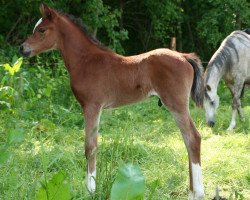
(143, 134)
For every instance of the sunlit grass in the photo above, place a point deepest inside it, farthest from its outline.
(143, 134)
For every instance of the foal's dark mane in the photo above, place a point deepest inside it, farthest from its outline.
(79, 23)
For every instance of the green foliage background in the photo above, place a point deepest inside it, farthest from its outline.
(132, 26)
(41, 124)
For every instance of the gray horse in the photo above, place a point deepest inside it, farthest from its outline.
(232, 63)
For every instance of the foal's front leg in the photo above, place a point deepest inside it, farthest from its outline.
(92, 117)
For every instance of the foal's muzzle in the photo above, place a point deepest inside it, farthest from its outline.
(25, 50)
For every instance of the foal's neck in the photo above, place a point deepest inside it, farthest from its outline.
(75, 46)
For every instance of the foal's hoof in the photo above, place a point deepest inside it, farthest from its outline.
(91, 186)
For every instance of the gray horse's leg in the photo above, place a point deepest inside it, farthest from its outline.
(241, 114)
(239, 108)
(236, 104)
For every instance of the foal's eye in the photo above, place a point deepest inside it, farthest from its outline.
(212, 103)
(41, 30)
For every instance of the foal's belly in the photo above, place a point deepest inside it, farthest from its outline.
(126, 99)
(119, 103)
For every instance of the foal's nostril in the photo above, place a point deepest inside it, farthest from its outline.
(211, 123)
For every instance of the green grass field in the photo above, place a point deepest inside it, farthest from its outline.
(51, 139)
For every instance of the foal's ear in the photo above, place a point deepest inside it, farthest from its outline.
(47, 12)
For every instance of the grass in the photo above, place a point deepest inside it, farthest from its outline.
(143, 134)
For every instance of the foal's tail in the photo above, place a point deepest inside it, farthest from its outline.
(197, 91)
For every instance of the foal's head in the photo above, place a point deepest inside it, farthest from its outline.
(45, 34)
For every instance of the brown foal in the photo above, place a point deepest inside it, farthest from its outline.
(101, 79)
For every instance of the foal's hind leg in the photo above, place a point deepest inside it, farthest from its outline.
(192, 141)
(236, 90)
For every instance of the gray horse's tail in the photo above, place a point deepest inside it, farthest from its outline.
(197, 91)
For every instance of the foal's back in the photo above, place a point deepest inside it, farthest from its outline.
(159, 72)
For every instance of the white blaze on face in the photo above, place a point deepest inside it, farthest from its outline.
(37, 24)
(198, 189)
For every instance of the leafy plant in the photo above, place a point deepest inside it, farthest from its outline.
(56, 188)
(15, 68)
(129, 184)
(7, 90)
